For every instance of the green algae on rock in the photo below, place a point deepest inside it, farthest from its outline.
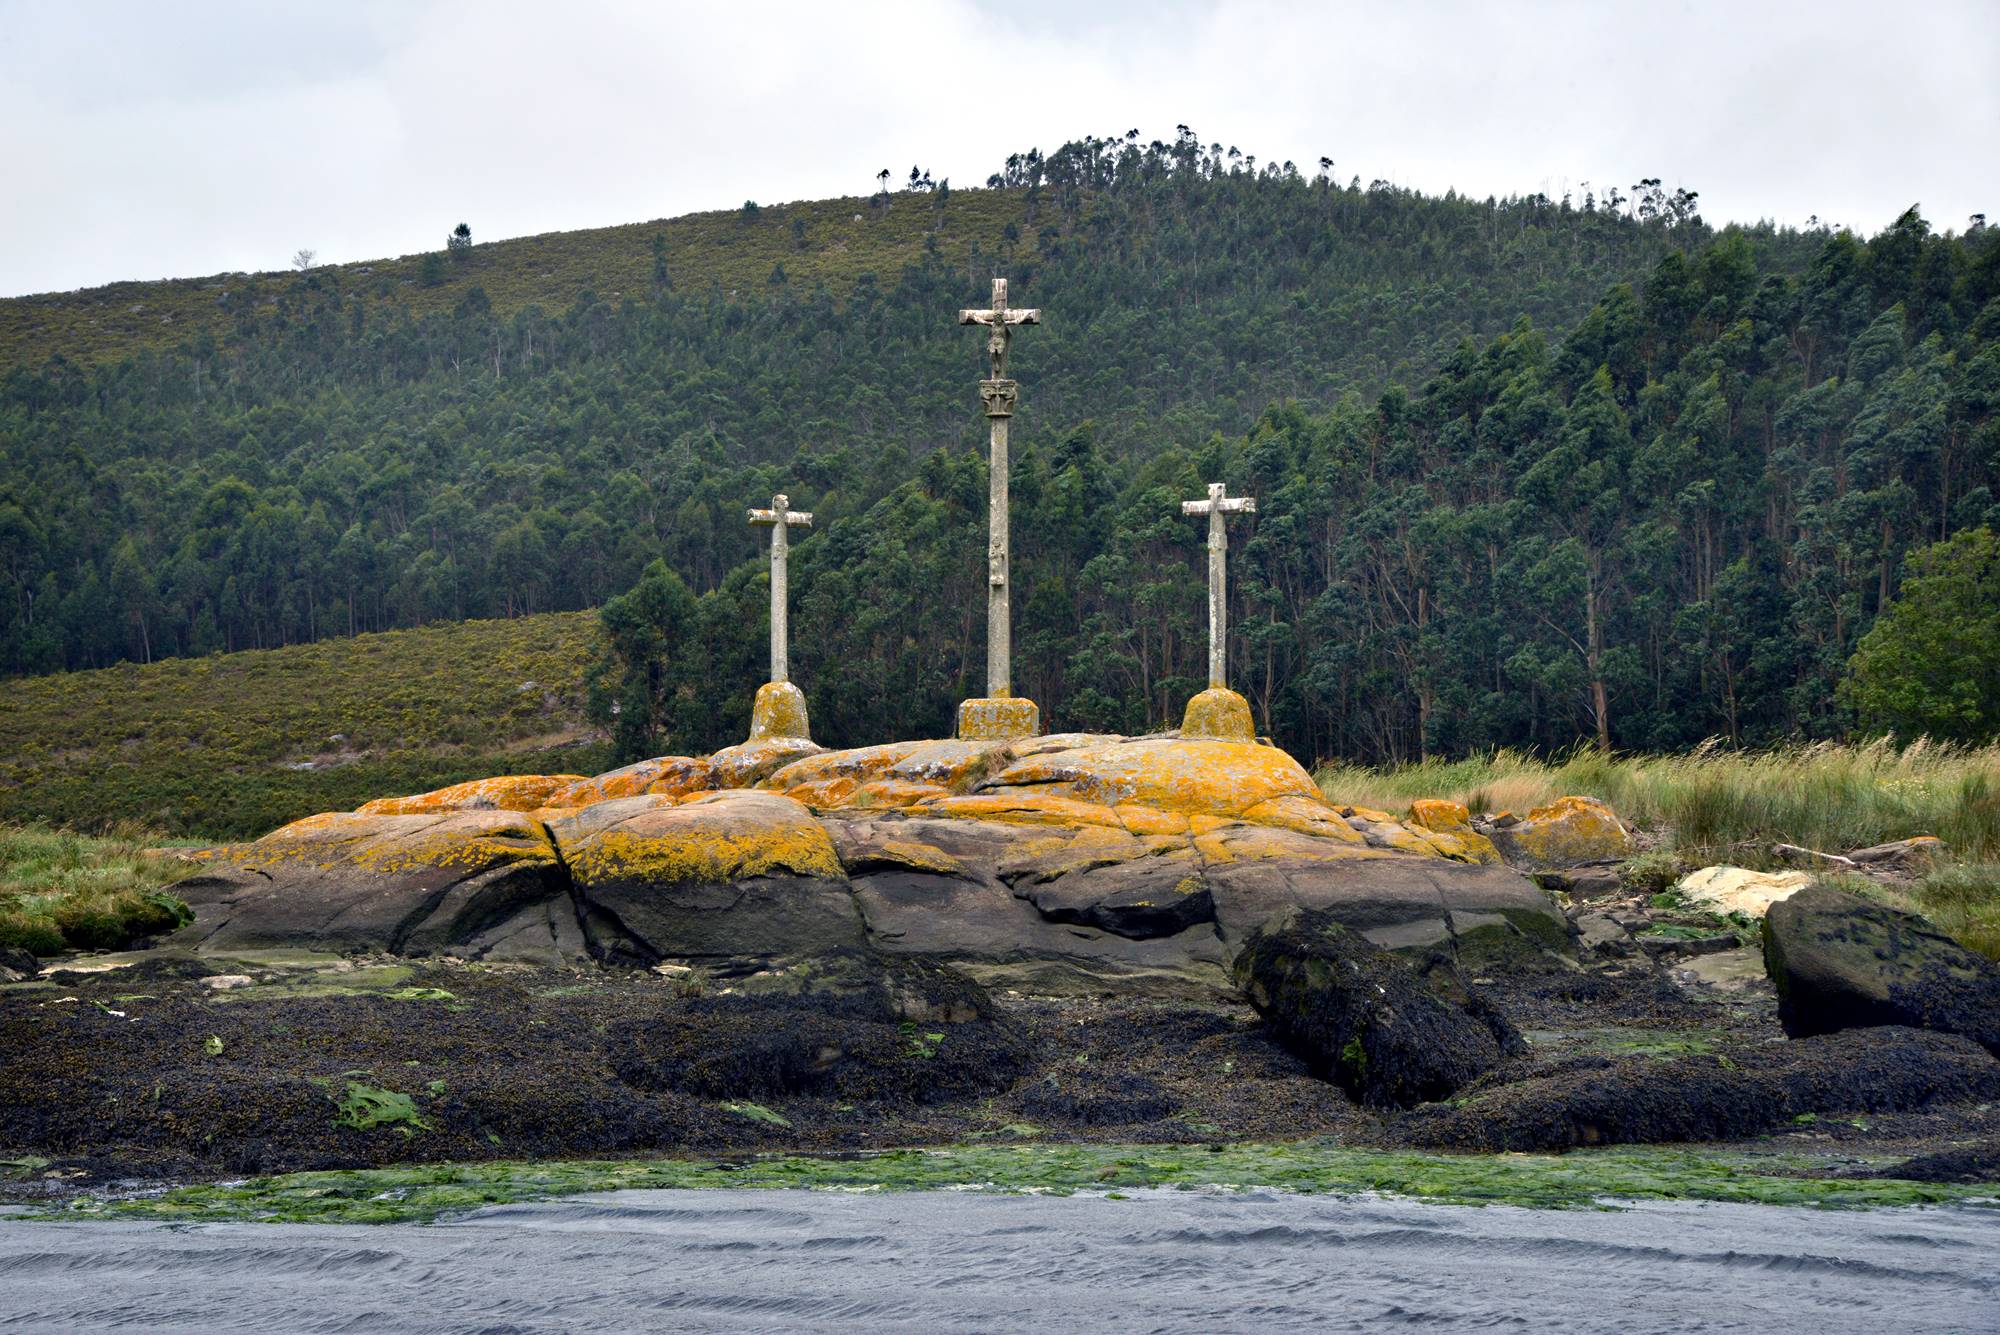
(1580, 1180)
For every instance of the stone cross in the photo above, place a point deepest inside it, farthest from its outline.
(1215, 507)
(998, 393)
(781, 517)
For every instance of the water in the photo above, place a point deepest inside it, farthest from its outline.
(943, 1261)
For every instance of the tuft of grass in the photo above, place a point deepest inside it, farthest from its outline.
(62, 891)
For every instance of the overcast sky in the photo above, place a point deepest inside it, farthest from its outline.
(173, 139)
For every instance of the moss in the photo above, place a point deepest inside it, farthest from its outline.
(1583, 1179)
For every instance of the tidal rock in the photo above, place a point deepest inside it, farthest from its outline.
(735, 875)
(1568, 832)
(1385, 1032)
(409, 884)
(1840, 962)
(1644, 1100)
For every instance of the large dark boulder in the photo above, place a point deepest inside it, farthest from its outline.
(1841, 962)
(1390, 1032)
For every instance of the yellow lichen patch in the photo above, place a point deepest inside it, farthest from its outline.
(955, 765)
(1241, 842)
(1078, 848)
(1307, 815)
(719, 838)
(895, 794)
(1151, 820)
(398, 844)
(629, 781)
(1025, 808)
(1467, 845)
(916, 856)
(512, 792)
(1348, 811)
(1219, 713)
(824, 794)
(1208, 777)
(1435, 813)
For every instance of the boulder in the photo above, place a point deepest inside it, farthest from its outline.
(1568, 832)
(1841, 962)
(1386, 1032)
(408, 884)
(730, 876)
(1740, 890)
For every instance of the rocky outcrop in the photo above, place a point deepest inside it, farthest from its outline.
(477, 881)
(1840, 962)
(1066, 863)
(1389, 1033)
(1568, 832)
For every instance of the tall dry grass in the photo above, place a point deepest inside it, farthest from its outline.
(1710, 802)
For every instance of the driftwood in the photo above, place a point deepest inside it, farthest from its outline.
(1796, 854)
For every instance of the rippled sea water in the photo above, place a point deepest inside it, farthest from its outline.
(946, 1261)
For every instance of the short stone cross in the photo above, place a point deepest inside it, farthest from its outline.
(999, 395)
(781, 518)
(1215, 507)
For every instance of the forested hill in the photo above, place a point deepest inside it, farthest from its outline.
(521, 426)
(1609, 472)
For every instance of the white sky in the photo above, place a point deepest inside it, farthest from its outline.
(178, 138)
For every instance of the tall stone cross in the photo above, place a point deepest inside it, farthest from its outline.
(998, 393)
(781, 518)
(1215, 507)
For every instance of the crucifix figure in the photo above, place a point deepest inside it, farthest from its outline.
(780, 518)
(998, 716)
(1218, 712)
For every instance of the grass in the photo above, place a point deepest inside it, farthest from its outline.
(61, 892)
(1582, 1179)
(1712, 805)
(233, 745)
(829, 242)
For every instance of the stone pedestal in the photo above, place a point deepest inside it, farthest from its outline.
(998, 719)
(780, 711)
(1219, 714)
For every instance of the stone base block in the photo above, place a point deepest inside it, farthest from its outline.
(998, 719)
(780, 711)
(1220, 714)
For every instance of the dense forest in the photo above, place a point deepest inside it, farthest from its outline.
(1528, 471)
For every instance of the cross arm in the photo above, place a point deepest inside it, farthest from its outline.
(795, 518)
(1026, 315)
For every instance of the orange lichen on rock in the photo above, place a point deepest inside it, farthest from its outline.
(511, 792)
(1212, 778)
(1306, 815)
(1025, 807)
(398, 843)
(1565, 833)
(676, 773)
(718, 838)
(1436, 813)
(954, 765)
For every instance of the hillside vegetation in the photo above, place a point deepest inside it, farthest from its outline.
(234, 745)
(1528, 471)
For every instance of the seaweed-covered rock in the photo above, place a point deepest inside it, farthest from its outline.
(1388, 1033)
(1840, 962)
(854, 1025)
(1644, 1100)
(1082, 1096)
